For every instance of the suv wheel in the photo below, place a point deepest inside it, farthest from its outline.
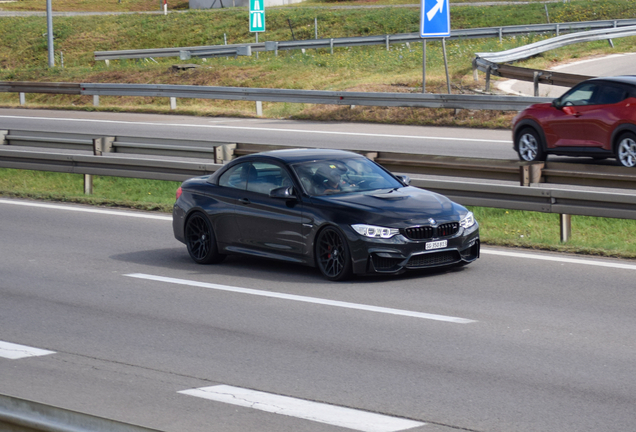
(529, 146)
(626, 150)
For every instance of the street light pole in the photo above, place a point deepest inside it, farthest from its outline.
(49, 27)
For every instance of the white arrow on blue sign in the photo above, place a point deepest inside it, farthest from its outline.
(435, 19)
(257, 15)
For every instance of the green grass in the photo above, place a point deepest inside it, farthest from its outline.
(590, 235)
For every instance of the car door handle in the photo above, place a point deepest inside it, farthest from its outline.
(244, 201)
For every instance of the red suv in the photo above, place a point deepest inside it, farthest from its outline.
(596, 118)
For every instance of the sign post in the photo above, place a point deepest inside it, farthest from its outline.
(434, 23)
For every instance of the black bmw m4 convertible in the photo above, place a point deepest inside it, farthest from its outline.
(331, 209)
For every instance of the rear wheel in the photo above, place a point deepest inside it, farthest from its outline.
(626, 150)
(332, 255)
(201, 241)
(529, 146)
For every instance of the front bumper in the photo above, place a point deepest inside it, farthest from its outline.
(400, 254)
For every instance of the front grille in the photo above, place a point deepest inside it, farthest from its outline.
(447, 229)
(419, 233)
(433, 259)
(428, 232)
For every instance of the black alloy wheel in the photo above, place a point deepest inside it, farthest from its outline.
(201, 241)
(332, 255)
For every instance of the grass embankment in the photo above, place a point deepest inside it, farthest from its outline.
(23, 57)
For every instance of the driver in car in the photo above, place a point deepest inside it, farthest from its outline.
(328, 179)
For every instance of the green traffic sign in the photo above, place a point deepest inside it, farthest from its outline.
(257, 15)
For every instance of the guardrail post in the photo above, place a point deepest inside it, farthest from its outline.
(371, 155)
(3, 137)
(488, 70)
(88, 184)
(566, 227)
(98, 148)
(387, 42)
(224, 153)
(95, 100)
(475, 70)
(331, 45)
(535, 79)
(259, 108)
(500, 35)
(22, 98)
(173, 103)
(245, 50)
(271, 46)
(531, 173)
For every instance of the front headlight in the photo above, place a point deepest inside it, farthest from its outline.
(375, 231)
(467, 221)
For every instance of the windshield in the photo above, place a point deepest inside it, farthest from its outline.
(327, 177)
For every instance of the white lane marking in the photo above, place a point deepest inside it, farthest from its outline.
(560, 259)
(87, 210)
(315, 411)
(264, 129)
(14, 351)
(304, 299)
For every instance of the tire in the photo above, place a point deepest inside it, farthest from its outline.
(626, 150)
(201, 241)
(333, 258)
(529, 146)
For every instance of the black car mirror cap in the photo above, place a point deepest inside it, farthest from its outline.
(406, 180)
(285, 192)
(557, 103)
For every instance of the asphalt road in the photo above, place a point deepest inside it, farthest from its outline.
(518, 342)
(353, 136)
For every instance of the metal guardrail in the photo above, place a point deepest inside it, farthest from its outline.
(545, 200)
(556, 42)
(214, 153)
(40, 87)
(235, 49)
(490, 62)
(525, 74)
(28, 416)
(484, 194)
(420, 100)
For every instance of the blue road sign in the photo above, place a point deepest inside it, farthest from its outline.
(435, 19)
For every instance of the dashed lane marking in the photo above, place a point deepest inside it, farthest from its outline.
(15, 351)
(314, 300)
(315, 411)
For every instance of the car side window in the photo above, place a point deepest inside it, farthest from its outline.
(581, 95)
(610, 94)
(264, 176)
(235, 177)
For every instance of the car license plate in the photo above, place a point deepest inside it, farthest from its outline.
(436, 244)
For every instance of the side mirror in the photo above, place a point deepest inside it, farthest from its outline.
(285, 192)
(404, 179)
(557, 103)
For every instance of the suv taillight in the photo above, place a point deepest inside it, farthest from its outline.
(179, 192)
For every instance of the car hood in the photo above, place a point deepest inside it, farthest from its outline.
(409, 205)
